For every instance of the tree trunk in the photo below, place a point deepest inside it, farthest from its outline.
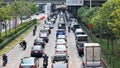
(16, 24)
(100, 33)
(0, 28)
(9, 26)
(5, 29)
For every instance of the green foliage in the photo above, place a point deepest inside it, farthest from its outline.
(85, 13)
(108, 17)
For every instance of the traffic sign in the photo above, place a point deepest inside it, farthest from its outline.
(74, 2)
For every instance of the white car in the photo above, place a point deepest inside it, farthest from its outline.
(60, 49)
(61, 42)
(79, 31)
(50, 24)
(62, 37)
(46, 27)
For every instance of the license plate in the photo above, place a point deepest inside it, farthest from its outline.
(36, 51)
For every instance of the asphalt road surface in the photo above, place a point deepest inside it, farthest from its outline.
(15, 55)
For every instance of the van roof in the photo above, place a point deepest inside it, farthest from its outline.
(82, 35)
(91, 44)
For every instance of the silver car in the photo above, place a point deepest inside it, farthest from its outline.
(60, 49)
(29, 62)
(61, 42)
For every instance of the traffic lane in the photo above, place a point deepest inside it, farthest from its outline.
(17, 53)
(50, 46)
(74, 59)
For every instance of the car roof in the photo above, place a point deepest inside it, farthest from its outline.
(61, 40)
(79, 30)
(61, 47)
(61, 36)
(36, 47)
(82, 35)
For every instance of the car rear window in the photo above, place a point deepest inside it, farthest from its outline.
(36, 48)
(27, 61)
(39, 40)
(59, 58)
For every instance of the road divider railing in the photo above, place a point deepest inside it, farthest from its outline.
(19, 32)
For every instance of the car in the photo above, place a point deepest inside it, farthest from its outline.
(50, 24)
(29, 62)
(79, 32)
(60, 57)
(44, 35)
(52, 20)
(37, 51)
(80, 48)
(62, 37)
(61, 42)
(39, 41)
(74, 27)
(47, 27)
(60, 32)
(62, 26)
(82, 38)
(44, 32)
(60, 49)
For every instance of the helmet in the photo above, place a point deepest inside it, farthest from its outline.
(22, 39)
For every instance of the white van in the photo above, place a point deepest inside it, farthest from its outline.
(92, 55)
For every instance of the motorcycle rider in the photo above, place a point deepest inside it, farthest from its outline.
(24, 45)
(34, 31)
(45, 61)
(5, 59)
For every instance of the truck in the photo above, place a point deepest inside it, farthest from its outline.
(92, 55)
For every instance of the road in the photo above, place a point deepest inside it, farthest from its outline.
(17, 53)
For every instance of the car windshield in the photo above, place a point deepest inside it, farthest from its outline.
(81, 45)
(78, 33)
(36, 48)
(82, 39)
(39, 40)
(76, 26)
(43, 31)
(61, 47)
(46, 26)
(59, 58)
(61, 41)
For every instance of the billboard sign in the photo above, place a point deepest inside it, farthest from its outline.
(74, 2)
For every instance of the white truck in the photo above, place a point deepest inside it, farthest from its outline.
(92, 55)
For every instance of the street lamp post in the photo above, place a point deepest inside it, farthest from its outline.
(90, 4)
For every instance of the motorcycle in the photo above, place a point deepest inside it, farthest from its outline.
(23, 46)
(4, 62)
(45, 64)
